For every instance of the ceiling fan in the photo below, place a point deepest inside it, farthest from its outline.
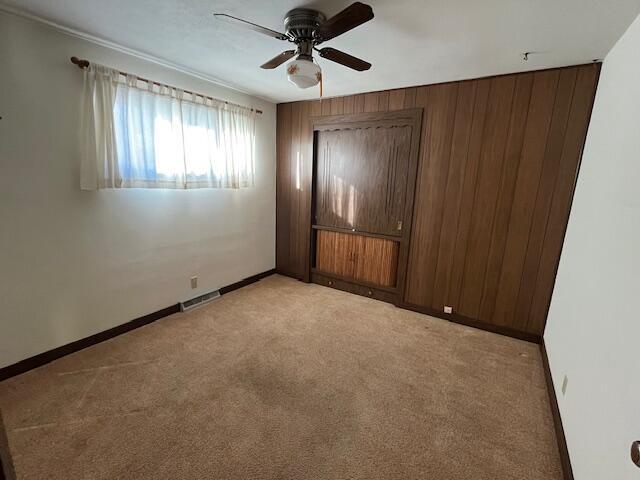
(307, 28)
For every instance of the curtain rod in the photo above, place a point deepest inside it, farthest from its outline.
(82, 64)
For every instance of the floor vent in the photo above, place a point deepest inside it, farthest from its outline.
(197, 301)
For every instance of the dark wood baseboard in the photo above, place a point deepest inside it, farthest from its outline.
(51, 355)
(470, 322)
(557, 420)
(247, 281)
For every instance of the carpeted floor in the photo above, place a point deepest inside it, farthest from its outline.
(284, 380)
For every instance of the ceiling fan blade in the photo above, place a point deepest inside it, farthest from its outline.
(252, 26)
(278, 59)
(344, 59)
(355, 14)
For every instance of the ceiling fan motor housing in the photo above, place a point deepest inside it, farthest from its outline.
(300, 23)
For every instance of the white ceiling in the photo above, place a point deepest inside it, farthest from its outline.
(409, 42)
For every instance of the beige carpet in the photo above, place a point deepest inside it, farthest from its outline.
(284, 380)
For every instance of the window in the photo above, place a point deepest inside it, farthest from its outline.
(160, 137)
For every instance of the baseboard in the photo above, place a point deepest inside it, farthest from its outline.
(557, 420)
(470, 322)
(382, 294)
(51, 355)
(247, 281)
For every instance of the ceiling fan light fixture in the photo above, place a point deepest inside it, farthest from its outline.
(304, 73)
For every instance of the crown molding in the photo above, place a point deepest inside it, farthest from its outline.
(126, 50)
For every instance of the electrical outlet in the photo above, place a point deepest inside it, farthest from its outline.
(565, 381)
(448, 309)
(194, 282)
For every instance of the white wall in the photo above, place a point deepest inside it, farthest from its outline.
(74, 263)
(593, 330)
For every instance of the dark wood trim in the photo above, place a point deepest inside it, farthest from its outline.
(419, 118)
(357, 232)
(407, 116)
(247, 281)
(565, 460)
(357, 288)
(470, 322)
(51, 355)
(393, 290)
(310, 261)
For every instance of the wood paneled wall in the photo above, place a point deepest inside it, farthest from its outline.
(497, 169)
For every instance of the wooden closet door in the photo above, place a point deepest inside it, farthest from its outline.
(365, 259)
(336, 253)
(362, 178)
(376, 261)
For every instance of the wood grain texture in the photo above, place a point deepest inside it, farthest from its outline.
(285, 230)
(293, 186)
(461, 222)
(335, 253)
(366, 259)
(377, 261)
(486, 194)
(518, 122)
(497, 167)
(361, 178)
(429, 196)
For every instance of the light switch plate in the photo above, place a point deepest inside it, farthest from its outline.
(565, 381)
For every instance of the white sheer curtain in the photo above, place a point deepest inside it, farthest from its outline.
(159, 137)
(99, 167)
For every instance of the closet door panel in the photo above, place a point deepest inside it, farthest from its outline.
(377, 261)
(362, 177)
(365, 259)
(335, 253)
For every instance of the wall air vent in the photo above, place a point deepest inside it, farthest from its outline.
(199, 300)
